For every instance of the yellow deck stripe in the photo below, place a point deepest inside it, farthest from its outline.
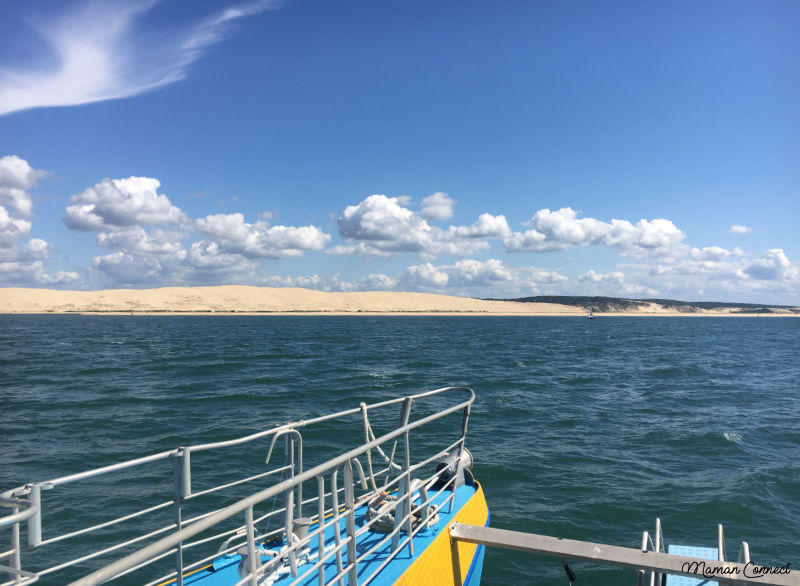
(435, 565)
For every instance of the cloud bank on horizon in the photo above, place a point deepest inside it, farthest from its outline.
(155, 243)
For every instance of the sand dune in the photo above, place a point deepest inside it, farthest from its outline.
(242, 299)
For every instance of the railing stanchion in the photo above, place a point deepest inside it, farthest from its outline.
(350, 524)
(289, 513)
(409, 495)
(337, 534)
(252, 560)
(320, 523)
(180, 456)
(35, 522)
(16, 559)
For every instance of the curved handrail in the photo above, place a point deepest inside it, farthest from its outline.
(166, 543)
(30, 509)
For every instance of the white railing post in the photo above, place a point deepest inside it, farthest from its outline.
(289, 522)
(35, 522)
(320, 523)
(350, 524)
(181, 458)
(337, 534)
(252, 560)
(16, 558)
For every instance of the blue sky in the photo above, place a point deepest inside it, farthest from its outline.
(469, 148)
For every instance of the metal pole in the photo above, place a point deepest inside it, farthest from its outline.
(252, 561)
(35, 522)
(612, 555)
(405, 412)
(350, 524)
(320, 523)
(289, 505)
(16, 559)
(337, 534)
(178, 476)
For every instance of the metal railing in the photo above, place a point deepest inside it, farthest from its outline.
(643, 560)
(186, 533)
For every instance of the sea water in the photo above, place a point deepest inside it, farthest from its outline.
(582, 429)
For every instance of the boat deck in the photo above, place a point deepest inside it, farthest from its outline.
(224, 571)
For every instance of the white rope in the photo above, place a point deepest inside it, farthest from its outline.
(369, 435)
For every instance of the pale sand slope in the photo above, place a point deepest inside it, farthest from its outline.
(240, 299)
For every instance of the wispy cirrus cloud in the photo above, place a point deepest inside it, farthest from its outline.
(100, 51)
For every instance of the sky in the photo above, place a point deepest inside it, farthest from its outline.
(488, 149)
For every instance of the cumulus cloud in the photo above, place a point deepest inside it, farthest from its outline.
(100, 51)
(486, 226)
(149, 233)
(116, 204)
(372, 282)
(737, 229)
(382, 219)
(612, 284)
(479, 278)
(260, 239)
(27, 273)
(437, 206)
(772, 265)
(562, 229)
(11, 229)
(23, 263)
(615, 277)
(385, 227)
(425, 275)
(16, 177)
(136, 239)
(710, 253)
(130, 268)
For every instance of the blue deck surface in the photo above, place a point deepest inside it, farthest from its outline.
(706, 553)
(224, 571)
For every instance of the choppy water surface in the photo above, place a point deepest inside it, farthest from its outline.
(582, 429)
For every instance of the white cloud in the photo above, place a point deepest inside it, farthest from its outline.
(385, 227)
(489, 278)
(16, 177)
(121, 203)
(562, 229)
(136, 239)
(425, 275)
(710, 253)
(382, 219)
(737, 229)
(616, 277)
(33, 273)
(437, 206)
(260, 239)
(772, 265)
(148, 232)
(486, 226)
(613, 284)
(22, 264)
(11, 229)
(35, 249)
(128, 268)
(101, 52)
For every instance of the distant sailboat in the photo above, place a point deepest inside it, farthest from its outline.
(590, 315)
